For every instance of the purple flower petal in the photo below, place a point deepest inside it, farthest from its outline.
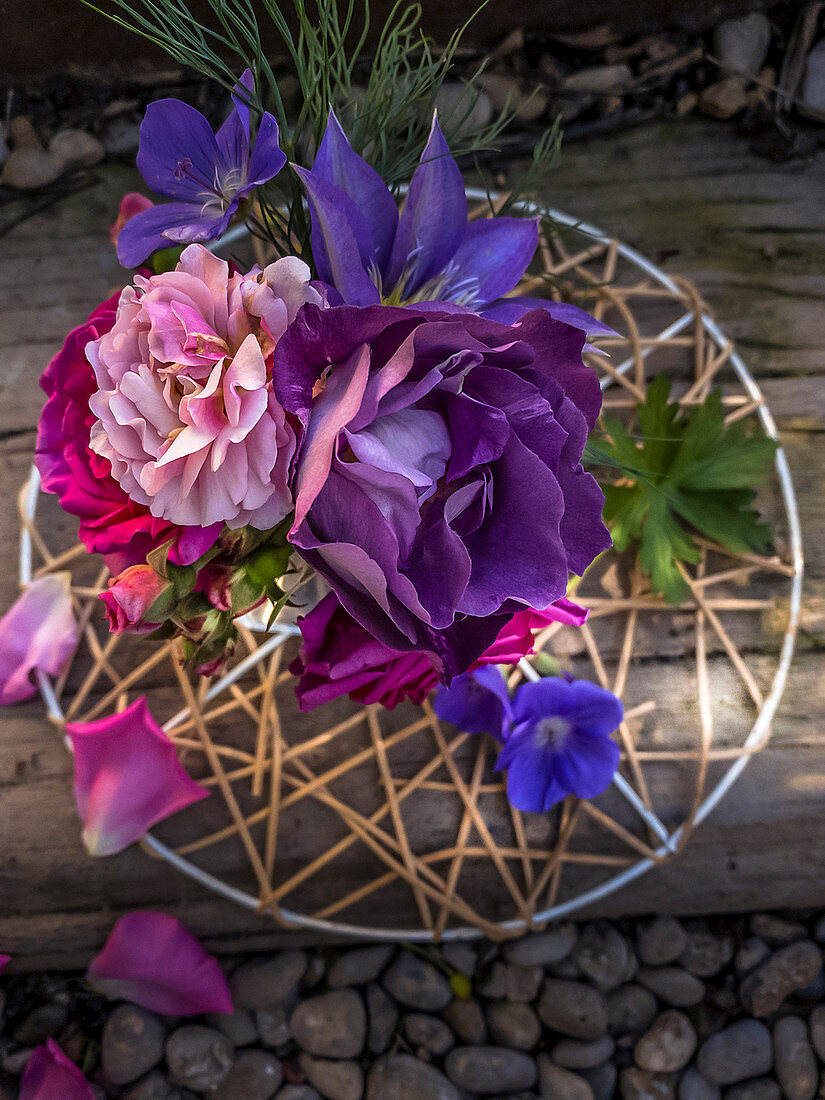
(3, 960)
(338, 164)
(50, 1075)
(493, 257)
(267, 157)
(476, 702)
(164, 226)
(152, 960)
(434, 219)
(38, 632)
(510, 310)
(178, 151)
(587, 764)
(531, 782)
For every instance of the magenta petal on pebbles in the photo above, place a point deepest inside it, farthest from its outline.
(127, 778)
(3, 960)
(152, 960)
(38, 632)
(50, 1075)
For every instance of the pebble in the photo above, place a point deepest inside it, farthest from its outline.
(598, 79)
(762, 1088)
(335, 1080)
(264, 983)
(382, 1016)
(514, 1025)
(742, 43)
(794, 1060)
(813, 86)
(605, 956)
(461, 956)
(673, 985)
(578, 1054)
(467, 1020)
(29, 169)
(505, 91)
(256, 1075)
(428, 1032)
(542, 948)
(752, 952)
(402, 1077)
(641, 1084)
(239, 1027)
(706, 954)
(42, 1023)
(121, 136)
(740, 1051)
(198, 1057)
(694, 1086)
(630, 1009)
(23, 134)
(298, 1092)
(521, 983)
(331, 1025)
(602, 1080)
(668, 1045)
(417, 984)
(76, 147)
(494, 983)
(456, 99)
(790, 968)
(488, 1069)
(359, 966)
(816, 1022)
(777, 931)
(661, 942)
(131, 1044)
(272, 1026)
(573, 1008)
(558, 1083)
(725, 98)
(155, 1086)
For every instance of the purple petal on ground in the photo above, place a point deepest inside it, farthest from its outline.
(476, 702)
(178, 151)
(50, 1075)
(434, 219)
(38, 631)
(267, 157)
(493, 256)
(150, 230)
(337, 163)
(509, 310)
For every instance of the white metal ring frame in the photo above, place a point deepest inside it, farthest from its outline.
(281, 632)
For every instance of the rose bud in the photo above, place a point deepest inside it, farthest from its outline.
(130, 596)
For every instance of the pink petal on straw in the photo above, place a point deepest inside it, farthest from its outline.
(127, 777)
(50, 1075)
(38, 632)
(152, 960)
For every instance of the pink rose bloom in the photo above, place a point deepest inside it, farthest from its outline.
(339, 657)
(186, 412)
(129, 598)
(111, 524)
(132, 203)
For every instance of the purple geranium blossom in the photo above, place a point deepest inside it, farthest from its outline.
(476, 702)
(430, 253)
(207, 173)
(559, 743)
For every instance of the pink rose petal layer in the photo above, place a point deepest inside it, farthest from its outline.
(50, 1075)
(152, 960)
(127, 777)
(38, 632)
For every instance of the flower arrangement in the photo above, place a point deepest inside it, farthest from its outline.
(376, 408)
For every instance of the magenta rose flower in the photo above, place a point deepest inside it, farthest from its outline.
(186, 414)
(110, 522)
(339, 657)
(129, 597)
(439, 486)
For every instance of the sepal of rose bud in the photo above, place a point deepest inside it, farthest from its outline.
(132, 203)
(127, 778)
(50, 1075)
(138, 600)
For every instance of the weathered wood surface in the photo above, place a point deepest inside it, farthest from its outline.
(751, 235)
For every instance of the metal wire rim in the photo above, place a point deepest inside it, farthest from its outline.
(757, 737)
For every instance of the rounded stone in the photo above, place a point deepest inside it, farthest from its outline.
(673, 985)
(573, 1008)
(668, 1045)
(742, 43)
(383, 1018)
(514, 1025)
(76, 147)
(467, 1020)
(661, 942)
(264, 983)
(541, 948)
(761, 1088)
(154, 1086)
(417, 984)
(460, 956)
(605, 956)
(641, 1084)
(488, 1070)
(816, 1022)
(359, 966)
(29, 169)
(706, 954)
(256, 1075)
(198, 1057)
(131, 1044)
(750, 954)
(740, 1051)
(42, 1023)
(298, 1092)
(694, 1086)
(558, 1083)
(272, 1026)
(521, 983)
(402, 1077)
(428, 1032)
(239, 1027)
(794, 1060)
(331, 1025)
(493, 984)
(335, 1080)
(777, 931)
(630, 1010)
(788, 969)
(602, 1080)
(578, 1054)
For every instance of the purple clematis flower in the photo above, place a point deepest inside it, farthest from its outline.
(559, 743)
(476, 702)
(208, 174)
(430, 253)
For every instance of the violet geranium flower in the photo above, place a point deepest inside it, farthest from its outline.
(476, 702)
(209, 174)
(431, 252)
(559, 743)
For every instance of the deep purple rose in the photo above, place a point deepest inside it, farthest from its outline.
(439, 486)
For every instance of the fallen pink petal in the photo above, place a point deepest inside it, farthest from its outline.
(127, 778)
(3, 960)
(38, 632)
(152, 960)
(50, 1075)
